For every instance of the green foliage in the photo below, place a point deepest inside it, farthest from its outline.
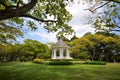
(83, 55)
(27, 51)
(36, 49)
(77, 62)
(95, 62)
(38, 61)
(8, 33)
(108, 19)
(52, 13)
(63, 62)
(99, 46)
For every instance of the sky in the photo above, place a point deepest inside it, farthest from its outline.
(78, 23)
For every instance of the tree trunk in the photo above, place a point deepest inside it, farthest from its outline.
(100, 58)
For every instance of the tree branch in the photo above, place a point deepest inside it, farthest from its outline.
(90, 10)
(115, 30)
(117, 26)
(116, 1)
(97, 7)
(28, 6)
(101, 6)
(29, 16)
(10, 13)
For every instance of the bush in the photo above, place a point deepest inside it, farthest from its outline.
(77, 62)
(38, 61)
(95, 62)
(59, 63)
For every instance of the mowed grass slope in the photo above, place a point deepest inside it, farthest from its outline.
(31, 71)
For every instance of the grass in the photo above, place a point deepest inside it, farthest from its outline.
(31, 71)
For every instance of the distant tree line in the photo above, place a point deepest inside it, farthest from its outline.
(27, 51)
(100, 46)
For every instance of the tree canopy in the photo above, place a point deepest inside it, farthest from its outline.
(8, 33)
(51, 13)
(108, 19)
(27, 51)
(98, 46)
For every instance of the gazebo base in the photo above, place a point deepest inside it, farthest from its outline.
(62, 58)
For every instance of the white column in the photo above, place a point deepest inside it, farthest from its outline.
(54, 53)
(67, 53)
(61, 52)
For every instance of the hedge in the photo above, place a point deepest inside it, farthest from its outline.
(59, 63)
(95, 62)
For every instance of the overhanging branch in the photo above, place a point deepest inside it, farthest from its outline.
(29, 16)
(18, 11)
(101, 6)
(115, 30)
(115, 1)
(118, 26)
(97, 7)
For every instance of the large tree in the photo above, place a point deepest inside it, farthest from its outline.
(98, 46)
(52, 13)
(36, 48)
(28, 51)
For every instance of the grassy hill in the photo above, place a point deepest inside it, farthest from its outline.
(31, 71)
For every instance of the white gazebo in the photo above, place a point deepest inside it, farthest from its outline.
(61, 50)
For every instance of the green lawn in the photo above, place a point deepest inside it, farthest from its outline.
(31, 71)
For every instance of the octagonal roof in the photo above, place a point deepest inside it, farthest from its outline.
(60, 43)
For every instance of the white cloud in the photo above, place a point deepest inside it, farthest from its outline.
(80, 31)
(80, 18)
(45, 37)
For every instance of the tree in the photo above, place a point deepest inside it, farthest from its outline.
(109, 18)
(35, 48)
(6, 53)
(52, 13)
(28, 51)
(110, 48)
(94, 40)
(79, 48)
(73, 38)
(99, 46)
(8, 33)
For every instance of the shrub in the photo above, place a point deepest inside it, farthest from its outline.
(95, 62)
(38, 61)
(59, 63)
(77, 62)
